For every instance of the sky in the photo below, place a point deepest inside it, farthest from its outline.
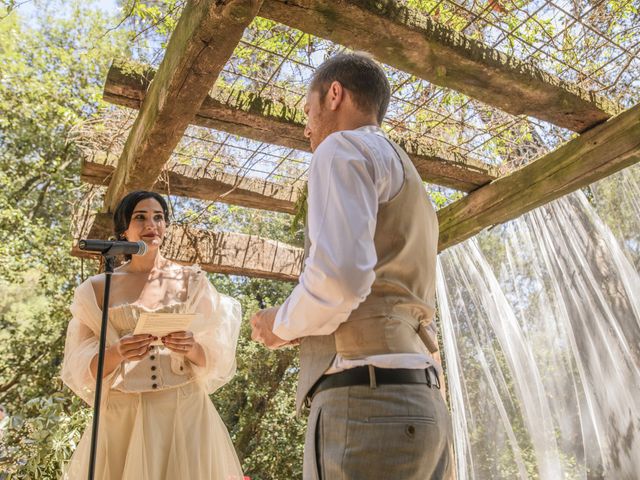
(27, 8)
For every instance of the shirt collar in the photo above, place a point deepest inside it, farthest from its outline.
(371, 129)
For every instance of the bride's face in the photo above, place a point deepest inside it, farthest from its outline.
(147, 224)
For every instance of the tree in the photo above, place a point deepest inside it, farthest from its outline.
(50, 82)
(53, 69)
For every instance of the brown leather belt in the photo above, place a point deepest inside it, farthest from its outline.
(381, 376)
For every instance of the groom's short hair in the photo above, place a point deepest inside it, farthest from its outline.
(361, 75)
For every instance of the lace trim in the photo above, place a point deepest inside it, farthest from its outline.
(198, 273)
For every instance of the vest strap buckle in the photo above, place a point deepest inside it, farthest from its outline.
(372, 377)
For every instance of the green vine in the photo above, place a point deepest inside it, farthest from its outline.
(300, 216)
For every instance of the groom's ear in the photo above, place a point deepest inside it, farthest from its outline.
(335, 95)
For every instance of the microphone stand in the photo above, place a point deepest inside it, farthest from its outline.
(109, 262)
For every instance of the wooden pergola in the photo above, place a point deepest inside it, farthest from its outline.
(180, 93)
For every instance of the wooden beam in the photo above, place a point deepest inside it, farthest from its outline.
(202, 42)
(219, 252)
(411, 41)
(235, 253)
(218, 186)
(245, 115)
(250, 116)
(595, 154)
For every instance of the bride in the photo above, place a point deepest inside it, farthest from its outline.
(157, 421)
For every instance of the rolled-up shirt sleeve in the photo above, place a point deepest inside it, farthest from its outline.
(339, 271)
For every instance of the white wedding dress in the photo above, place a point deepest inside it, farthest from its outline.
(157, 421)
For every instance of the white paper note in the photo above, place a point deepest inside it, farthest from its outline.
(161, 324)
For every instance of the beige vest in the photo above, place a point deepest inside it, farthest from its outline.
(397, 314)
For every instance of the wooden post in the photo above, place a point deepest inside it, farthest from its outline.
(596, 154)
(204, 39)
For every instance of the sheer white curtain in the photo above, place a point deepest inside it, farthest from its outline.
(541, 326)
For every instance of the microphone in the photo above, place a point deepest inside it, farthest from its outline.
(111, 248)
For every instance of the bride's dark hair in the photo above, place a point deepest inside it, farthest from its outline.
(124, 211)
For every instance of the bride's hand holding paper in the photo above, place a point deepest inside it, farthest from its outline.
(171, 330)
(179, 342)
(184, 342)
(132, 347)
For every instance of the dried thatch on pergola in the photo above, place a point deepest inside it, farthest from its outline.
(214, 125)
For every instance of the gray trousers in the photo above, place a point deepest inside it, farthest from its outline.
(391, 432)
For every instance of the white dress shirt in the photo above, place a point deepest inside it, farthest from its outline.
(351, 173)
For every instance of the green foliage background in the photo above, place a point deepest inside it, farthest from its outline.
(52, 69)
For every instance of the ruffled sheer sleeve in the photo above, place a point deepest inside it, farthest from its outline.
(82, 344)
(217, 331)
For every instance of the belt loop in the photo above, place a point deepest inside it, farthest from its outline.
(372, 377)
(432, 377)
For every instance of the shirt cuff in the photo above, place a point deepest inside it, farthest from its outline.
(280, 324)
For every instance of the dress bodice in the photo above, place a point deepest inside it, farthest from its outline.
(161, 368)
(215, 329)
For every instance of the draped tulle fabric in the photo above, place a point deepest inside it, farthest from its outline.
(173, 432)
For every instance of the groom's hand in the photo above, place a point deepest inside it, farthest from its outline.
(262, 328)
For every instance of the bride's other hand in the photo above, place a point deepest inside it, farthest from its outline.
(179, 342)
(184, 343)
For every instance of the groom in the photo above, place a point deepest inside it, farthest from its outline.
(364, 305)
